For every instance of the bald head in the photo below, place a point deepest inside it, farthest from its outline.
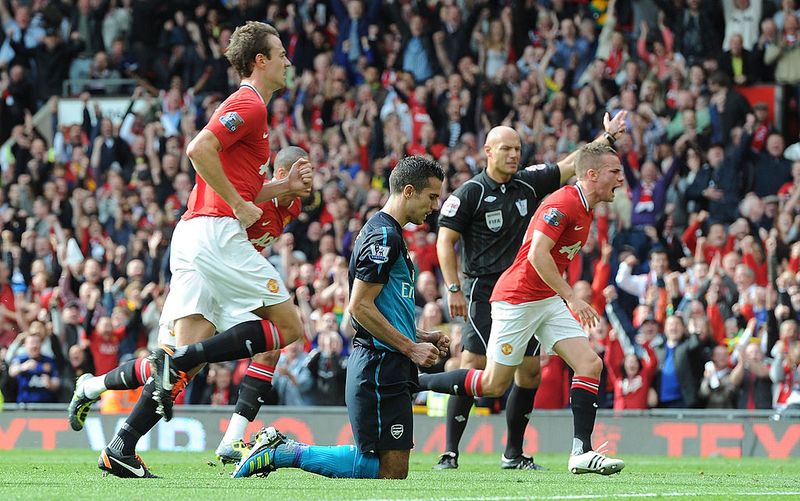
(499, 134)
(503, 150)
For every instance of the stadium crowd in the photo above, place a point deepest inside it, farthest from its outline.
(697, 270)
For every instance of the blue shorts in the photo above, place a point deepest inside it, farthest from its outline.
(378, 395)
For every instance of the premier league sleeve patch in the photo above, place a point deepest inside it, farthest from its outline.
(231, 120)
(378, 254)
(553, 216)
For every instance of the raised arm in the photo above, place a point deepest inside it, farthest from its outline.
(613, 127)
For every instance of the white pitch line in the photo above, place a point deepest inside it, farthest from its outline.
(607, 496)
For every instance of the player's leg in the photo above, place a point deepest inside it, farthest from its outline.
(279, 326)
(378, 400)
(458, 409)
(88, 388)
(241, 281)
(518, 409)
(563, 335)
(253, 391)
(394, 464)
(272, 450)
(122, 448)
(511, 332)
(474, 337)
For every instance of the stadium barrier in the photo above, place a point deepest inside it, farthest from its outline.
(674, 433)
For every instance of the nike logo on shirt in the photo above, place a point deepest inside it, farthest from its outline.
(266, 135)
(578, 228)
(139, 472)
(249, 345)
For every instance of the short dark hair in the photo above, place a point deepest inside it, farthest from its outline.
(416, 171)
(247, 41)
(288, 156)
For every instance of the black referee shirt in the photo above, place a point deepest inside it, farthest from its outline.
(492, 218)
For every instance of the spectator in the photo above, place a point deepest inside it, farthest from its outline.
(738, 63)
(219, 389)
(731, 107)
(741, 16)
(37, 375)
(785, 53)
(751, 377)
(694, 27)
(327, 370)
(770, 170)
(716, 186)
(292, 381)
(717, 389)
(679, 354)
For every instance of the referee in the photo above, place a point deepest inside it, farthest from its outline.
(489, 214)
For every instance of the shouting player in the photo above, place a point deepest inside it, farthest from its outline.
(382, 370)
(487, 216)
(214, 266)
(531, 299)
(257, 382)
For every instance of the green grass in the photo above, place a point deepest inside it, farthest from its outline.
(73, 474)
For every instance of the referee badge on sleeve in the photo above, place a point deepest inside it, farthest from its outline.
(522, 206)
(553, 216)
(451, 206)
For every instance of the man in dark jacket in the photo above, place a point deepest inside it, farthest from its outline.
(716, 185)
(731, 107)
(679, 365)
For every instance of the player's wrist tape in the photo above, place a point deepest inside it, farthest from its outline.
(610, 138)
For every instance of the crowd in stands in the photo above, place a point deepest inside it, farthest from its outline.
(696, 267)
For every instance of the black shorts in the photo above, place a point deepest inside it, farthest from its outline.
(378, 395)
(475, 334)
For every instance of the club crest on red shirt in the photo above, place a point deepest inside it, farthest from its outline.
(553, 216)
(231, 121)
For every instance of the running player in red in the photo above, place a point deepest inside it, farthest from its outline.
(214, 266)
(532, 298)
(256, 384)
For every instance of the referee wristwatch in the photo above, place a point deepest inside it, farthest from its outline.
(454, 287)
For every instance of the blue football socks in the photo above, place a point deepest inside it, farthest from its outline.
(341, 461)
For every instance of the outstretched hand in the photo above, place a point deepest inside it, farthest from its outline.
(615, 126)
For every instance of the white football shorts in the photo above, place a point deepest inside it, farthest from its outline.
(217, 273)
(513, 325)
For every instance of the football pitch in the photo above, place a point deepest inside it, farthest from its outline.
(73, 474)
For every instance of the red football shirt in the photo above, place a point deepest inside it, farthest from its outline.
(240, 125)
(267, 230)
(565, 217)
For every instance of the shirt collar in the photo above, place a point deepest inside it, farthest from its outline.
(494, 185)
(254, 90)
(582, 196)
